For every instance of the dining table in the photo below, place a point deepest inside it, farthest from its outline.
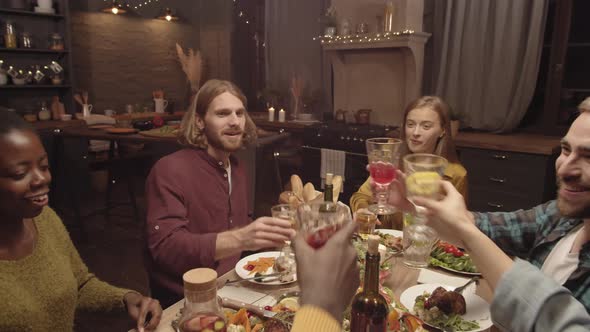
(401, 278)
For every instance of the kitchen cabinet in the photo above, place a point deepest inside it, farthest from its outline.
(40, 27)
(508, 172)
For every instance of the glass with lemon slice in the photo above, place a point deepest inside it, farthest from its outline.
(423, 175)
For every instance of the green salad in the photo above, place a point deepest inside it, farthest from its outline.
(448, 256)
(437, 318)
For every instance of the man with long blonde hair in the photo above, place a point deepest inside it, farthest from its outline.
(197, 197)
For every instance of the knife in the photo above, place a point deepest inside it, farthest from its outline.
(257, 310)
(260, 278)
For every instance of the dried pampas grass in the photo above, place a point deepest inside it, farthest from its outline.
(192, 66)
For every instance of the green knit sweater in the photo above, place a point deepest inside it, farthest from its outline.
(42, 291)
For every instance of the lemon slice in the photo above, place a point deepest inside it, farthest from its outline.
(291, 303)
(423, 183)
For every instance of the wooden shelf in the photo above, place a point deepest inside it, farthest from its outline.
(32, 86)
(28, 13)
(31, 50)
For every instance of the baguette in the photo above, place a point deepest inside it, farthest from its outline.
(297, 185)
(308, 192)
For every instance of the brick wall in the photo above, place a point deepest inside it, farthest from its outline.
(121, 60)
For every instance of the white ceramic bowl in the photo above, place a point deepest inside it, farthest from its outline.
(44, 10)
(305, 116)
(66, 117)
(19, 81)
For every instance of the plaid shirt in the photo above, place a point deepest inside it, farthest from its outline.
(532, 234)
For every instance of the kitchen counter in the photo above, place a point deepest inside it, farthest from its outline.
(517, 142)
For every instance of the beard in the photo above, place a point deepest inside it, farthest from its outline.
(217, 142)
(570, 209)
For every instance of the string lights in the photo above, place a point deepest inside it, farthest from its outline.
(363, 38)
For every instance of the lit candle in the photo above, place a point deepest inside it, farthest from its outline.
(282, 115)
(271, 114)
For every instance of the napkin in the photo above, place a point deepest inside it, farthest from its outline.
(427, 276)
(332, 161)
(240, 294)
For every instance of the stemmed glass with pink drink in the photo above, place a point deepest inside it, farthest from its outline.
(319, 221)
(383, 154)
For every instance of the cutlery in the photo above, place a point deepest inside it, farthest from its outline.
(257, 310)
(261, 278)
(462, 288)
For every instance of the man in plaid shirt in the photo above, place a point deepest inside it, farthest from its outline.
(555, 236)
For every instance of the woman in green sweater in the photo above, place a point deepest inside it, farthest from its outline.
(43, 280)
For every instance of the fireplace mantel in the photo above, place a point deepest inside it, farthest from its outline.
(392, 67)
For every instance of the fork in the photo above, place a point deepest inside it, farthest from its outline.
(462, 288)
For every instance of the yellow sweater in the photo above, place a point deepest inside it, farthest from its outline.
(312, 319)
(42, 291)
(455, 173)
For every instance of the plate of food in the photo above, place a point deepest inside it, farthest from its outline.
(390, 238)
(260, 265)
(437, 305)
(450, 258)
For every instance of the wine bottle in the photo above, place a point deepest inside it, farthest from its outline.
(369, 309)
(329, 189)
(328, 205)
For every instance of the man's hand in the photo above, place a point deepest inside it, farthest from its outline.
(138, 307)
(265, 232)
(329, 276)
(449, 217)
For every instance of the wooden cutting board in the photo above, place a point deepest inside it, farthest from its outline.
(121, 131)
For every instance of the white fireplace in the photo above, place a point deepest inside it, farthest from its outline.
(382, 73)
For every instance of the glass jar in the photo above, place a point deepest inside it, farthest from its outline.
(56, 42)
(9, 35)
(202, 311)
(26, 41)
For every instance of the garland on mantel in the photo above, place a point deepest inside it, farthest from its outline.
(363, 38)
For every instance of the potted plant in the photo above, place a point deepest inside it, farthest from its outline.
(329, 20)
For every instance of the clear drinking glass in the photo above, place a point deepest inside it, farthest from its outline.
(366, 221)
(383, 155)
(319, 221)
(423, 173)
(287, 212)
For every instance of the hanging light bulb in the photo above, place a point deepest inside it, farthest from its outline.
(168, 15)
(115, 8)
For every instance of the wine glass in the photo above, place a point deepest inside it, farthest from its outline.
(383, 154)
(319, 221)
(286, 212)
(423, 173)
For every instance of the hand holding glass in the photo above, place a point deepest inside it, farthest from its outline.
(423, 175)
(319, 221)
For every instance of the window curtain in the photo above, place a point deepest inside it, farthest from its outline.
(487, 55)
(291, 26)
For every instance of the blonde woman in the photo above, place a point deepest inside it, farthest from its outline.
(426, 129)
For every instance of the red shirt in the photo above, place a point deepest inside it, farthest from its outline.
(188, 203)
